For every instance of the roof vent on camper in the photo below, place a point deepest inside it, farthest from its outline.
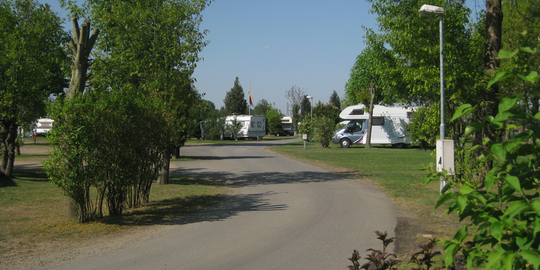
(357, 112)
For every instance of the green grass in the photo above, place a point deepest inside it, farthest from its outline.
(33, 210)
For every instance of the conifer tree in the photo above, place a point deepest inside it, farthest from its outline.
(235, 102)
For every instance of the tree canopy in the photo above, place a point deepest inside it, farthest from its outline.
(32, 66)
(235, 102)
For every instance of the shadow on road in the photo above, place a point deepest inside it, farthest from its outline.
(179, 211)
(252, 179)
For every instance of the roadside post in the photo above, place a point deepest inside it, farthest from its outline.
(445, 159)
(304, 137)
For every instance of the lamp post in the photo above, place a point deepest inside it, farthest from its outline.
(311, 103)
(430, 10)
(441, 155)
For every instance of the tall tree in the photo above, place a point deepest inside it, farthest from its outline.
(295, 95)
(413, 41)
(235, 102)
(334, 99)
(31, 67)
(262, 107)
(152, 47)
(305, 109)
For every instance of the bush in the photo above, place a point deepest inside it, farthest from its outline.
(324, 128)
(105, 150)
(503, 210)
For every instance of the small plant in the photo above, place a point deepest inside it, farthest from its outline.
(378, 259)
(425, 255)
(381, 260)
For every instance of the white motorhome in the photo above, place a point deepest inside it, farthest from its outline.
(252, 126)
(287, 125)
(389, 126)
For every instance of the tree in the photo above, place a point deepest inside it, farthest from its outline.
(328, 110)
(334, 99)
(324, 128)
(295, 95)
(274, 116)
(305, 109)
(152, 47)
(262, 107)
(32, 64)
(414, 79)
(235, 102)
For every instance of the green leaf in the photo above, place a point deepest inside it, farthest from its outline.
(508, 103)
(490, 181)
(444, 198)
(472, 128)
(463, 110)
(516, 208)
(508, 260)
(500, 76)
(497, 230)
(531, 77)
(513, 181)
(535, 205)
(506, 54)
(531, 257)
(461, 234)
(537, 116)
(466, 189)
(494, 258)
(498, 151)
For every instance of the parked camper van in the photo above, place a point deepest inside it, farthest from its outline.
(287, 125)
(252, 126)
(388, 127)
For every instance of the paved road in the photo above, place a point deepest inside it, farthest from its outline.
(285, 215)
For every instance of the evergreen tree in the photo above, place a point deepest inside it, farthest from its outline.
(235, 101)
(334, 99)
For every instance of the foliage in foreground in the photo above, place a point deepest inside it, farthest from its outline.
(105, 150)
(381, 259)
(502, 209)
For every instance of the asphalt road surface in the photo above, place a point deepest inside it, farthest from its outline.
(284, 215)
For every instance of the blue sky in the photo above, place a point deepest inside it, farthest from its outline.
(278, 44)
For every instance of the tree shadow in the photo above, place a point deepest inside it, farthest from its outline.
(30, 172)
(230, 179)
(194, 209)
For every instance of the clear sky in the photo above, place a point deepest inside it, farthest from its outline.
(278, 44)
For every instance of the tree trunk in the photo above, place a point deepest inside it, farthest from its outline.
(370, 123)
(163, 177)
(9, 132)
(81, 45)
(176, 152)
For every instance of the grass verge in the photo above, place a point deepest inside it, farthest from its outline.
(33, 210)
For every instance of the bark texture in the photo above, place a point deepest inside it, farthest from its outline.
(81, 45)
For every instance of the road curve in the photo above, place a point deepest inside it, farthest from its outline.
(284, 215)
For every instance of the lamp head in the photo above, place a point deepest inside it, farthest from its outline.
(431, 9)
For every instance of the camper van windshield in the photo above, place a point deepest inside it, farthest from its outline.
(355, 125)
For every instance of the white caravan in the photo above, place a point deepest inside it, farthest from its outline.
(389, 126)
(252, 126)
(287, 125)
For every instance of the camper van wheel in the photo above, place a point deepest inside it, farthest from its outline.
(345, 143)
(398, 145)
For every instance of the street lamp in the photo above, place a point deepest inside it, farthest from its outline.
(310, 97)
(430, 10)
(445, 158)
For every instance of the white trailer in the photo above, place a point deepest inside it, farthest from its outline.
(389, 126)
(251, 126)
(287, 125)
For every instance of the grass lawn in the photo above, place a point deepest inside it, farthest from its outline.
(33, 210)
